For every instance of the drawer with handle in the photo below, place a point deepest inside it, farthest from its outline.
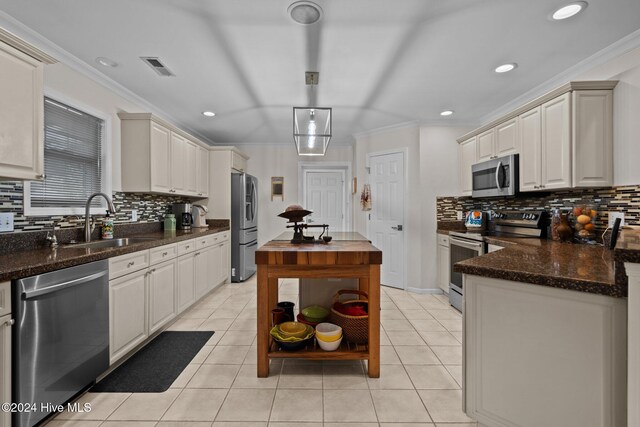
(163, 253)
(443, 240)
(187, 246)
(125, 264)
(205, 241)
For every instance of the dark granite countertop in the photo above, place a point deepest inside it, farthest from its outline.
(584, 268)
(628, 247)
(32, 262)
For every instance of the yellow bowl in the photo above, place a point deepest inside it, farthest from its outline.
(329, 330)
(275, 333)
(325, 338)
(292, 329)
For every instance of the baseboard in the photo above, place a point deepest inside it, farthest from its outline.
(425, 291)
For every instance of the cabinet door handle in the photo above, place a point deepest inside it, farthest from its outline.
(9, 322)
(130, 264)
(187, 247)
(197, 253)
(165, 253)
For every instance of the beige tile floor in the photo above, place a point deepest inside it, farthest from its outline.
(419, 384)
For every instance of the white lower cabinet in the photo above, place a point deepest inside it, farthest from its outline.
(204, 265)
(185, 295)
(143, 301)
(443, 254)
(543, 356)
(5, 351)
(162, 294)
(127, 313)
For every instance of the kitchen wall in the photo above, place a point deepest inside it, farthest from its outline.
(617, 199)
(438, 175)
(267, 160)
(400, 138)
(150, 208)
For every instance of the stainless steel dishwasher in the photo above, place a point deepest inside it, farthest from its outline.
(61, 340)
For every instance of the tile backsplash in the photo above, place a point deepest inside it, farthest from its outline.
(150, 208)
(612, 199)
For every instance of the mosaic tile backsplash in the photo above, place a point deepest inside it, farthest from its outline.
(150, 208)
(619, 199)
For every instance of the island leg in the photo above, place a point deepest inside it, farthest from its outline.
(371, 285)
(264, 311)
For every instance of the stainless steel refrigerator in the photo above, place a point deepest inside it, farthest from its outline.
(244, 226)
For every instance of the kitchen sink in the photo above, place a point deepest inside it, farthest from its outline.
(115, 243)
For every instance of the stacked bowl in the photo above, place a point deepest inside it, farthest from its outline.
(329, 336)
(292, 335)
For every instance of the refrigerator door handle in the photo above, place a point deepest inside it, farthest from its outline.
(253, 201)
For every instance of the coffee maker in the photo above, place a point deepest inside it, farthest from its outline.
(184, 219)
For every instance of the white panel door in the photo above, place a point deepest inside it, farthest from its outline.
(325, 197)
(387, 215)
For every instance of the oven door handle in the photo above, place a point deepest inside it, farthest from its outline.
(468, 245)
(498, 175)
(60, 286)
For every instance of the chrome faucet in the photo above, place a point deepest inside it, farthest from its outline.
(87, 214)
(51, 238)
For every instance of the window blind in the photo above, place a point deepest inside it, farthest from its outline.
(72, 157)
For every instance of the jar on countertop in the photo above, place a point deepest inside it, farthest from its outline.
(169, 222)
(584, 217)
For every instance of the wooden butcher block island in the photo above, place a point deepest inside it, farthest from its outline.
(349, 255)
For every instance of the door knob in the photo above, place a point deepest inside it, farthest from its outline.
(399, 228)
(309, 220)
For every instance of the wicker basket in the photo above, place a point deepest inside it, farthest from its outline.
(354, 328)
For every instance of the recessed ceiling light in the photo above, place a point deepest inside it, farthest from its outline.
(305, 12)
(569, 10)
(504, 68)
(106, 62)
(208, 113)
(446, 113)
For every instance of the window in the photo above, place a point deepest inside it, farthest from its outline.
(74, 162)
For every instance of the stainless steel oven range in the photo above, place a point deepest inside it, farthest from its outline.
(468, 245)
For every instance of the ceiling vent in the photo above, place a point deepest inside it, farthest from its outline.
(157, 66)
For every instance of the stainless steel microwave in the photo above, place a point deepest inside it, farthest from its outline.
(496, 177)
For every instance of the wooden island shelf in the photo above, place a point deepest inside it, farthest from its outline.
(348, 256)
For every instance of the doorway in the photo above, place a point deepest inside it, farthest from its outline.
(387, 177)
(323, 190)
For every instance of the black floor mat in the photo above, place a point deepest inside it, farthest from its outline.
(156, 366)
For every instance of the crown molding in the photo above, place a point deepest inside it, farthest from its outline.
(12, 40)
(280, 144)
(29, 36)
(385, 129)
(614, 50)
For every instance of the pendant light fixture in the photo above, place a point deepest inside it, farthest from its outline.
(311, 130)
(311, 125)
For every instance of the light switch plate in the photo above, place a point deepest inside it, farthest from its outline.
(6, 221)
(613, 216)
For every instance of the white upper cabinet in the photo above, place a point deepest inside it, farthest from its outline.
(468, 157)
(485, 145)
(530, 150)
(556, 143)
(592, 138)
(506, 138)
(564, 139)
(21, 115)
(178, 164)
(202, 172)
(160, 152)
(238, 162)
(157, 158)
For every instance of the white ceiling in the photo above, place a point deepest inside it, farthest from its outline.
(381, 62)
